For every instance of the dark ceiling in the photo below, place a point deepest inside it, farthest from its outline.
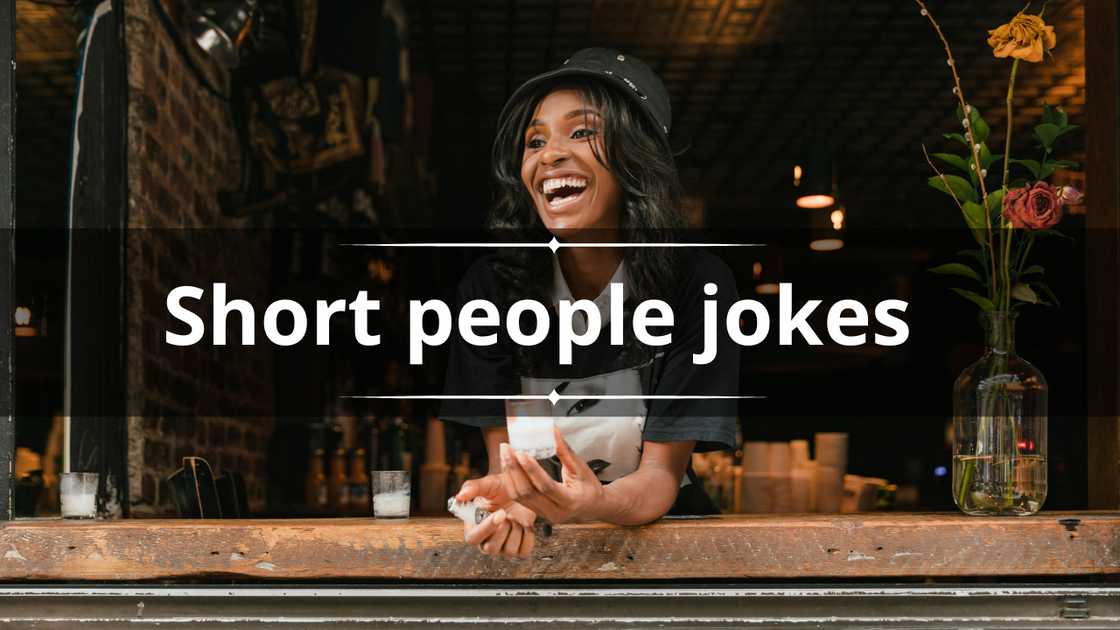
(748, 79)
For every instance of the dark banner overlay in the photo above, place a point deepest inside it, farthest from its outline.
(369, 322)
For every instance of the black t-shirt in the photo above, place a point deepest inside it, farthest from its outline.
(610, 432)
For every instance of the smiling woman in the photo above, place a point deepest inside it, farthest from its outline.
(582, 155)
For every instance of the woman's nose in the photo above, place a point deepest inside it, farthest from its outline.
(555, 151)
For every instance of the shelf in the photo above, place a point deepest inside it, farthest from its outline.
(424, 549)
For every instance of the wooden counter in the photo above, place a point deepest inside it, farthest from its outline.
(742, 546)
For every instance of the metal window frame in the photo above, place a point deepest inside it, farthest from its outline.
(564, 606)
(7, 252)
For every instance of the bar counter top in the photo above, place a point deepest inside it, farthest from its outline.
(818, 546)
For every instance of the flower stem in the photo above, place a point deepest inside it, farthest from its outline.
(1007, 140)
(973, 146)
(1005, 236)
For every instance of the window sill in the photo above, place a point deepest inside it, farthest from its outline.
(728, 547)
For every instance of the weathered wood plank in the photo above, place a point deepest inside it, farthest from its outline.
(771, 546)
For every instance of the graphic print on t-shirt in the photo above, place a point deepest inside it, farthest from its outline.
(614, 438)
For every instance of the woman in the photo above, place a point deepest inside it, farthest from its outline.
(582, 155)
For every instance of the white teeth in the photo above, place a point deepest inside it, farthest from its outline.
(552, 184)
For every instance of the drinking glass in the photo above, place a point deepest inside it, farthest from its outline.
(530, 424)
(392, 493)
(78, 494)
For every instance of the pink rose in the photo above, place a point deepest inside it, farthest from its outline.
(1034, 207)
(1070, 196)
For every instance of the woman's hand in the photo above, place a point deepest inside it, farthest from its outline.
(576, 497)
(508, 531)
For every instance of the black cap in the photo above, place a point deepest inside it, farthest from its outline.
(629, 73)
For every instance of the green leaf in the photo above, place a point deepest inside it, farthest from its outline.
(975, 298)
(1047, 296)
(957, 269)
(962, 190)
(1024, 293)
(953, 160)
(995, 203)
(1047, 170)
(977, 255)
(1047, 133)
(1054, 116)
(974, 217)
(1033, 270)
(1065, 164)
(976, 122)
(1016, 183)
(979, 127)
(1066, 129)
(956, 136)
(1034, 167)
(985, 155)
(1050, 115)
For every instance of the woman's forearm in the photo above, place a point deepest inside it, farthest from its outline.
(638, 498)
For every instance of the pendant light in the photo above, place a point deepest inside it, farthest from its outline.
(816, 184)
(816, 190)
(220, 27)
(826, 229)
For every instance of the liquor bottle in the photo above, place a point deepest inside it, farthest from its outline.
(339, 485)
(398, 443)
(359, 483)
(460, 473)
(316, 483)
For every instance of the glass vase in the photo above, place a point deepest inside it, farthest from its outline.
(999, 428)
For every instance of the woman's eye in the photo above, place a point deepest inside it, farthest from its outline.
(535, 143)
(583, 132)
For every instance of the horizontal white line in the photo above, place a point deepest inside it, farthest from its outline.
(551, 245)
(547, 397)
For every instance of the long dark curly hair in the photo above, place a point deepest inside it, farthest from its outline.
(636, 152)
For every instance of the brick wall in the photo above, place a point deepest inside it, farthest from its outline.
(182, 151)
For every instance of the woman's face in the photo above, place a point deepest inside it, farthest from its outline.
(571, 189)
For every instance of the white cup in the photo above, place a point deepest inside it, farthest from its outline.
(530, 424)
(78, 494)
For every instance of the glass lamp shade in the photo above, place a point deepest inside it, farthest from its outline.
(219, 27)
(826, 230)
(815, 189)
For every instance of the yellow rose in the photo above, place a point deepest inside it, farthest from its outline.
(1025, 37)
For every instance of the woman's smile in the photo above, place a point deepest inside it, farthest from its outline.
(562, 191)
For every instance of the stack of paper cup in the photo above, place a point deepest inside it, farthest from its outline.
(777, 466)
(798, 453)
(832, 464)
(756, 481)
(832, 450)
(829, 488)
(800, 488)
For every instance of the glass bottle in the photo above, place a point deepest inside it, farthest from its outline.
(359, 482)
(316, 482)
(999, 428)
(339, 483)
